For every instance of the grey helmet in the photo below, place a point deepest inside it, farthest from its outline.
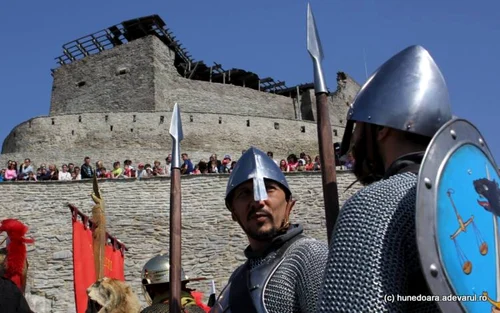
(408, 93)
(256, 165)
(157, 271)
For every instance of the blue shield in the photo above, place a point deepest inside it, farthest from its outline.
(458, 204)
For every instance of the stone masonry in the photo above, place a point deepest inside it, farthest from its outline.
(137, 214)
(121, 99)
(116, 105)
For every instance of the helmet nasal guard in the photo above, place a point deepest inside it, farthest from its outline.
(408, 92)
(256, 165)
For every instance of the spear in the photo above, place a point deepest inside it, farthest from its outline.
(175, 213)
(99, 233)
(326, 152)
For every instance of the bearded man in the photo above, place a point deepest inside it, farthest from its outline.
(284, 268)
(373, 250)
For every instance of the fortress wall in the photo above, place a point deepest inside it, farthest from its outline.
(137, 214)
(207, 97)
(147, 138)
(338, 103)
(105, 89)
(151, 83)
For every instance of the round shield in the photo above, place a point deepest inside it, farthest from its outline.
(458, 204)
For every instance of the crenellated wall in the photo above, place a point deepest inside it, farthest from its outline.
(137, 214)
(116, 105)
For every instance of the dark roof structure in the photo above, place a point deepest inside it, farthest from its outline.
(186, 65)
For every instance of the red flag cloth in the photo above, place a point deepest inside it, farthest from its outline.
(83, 264)
(113, 263)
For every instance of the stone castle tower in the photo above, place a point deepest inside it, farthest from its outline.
(113, 92)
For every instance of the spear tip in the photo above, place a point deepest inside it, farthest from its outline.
(313, 42)
(176, 124)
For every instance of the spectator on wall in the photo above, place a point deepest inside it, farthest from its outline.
(140, 170)
(86, 170)
(25, 169)
(53, 172)
(98, 169)
(117, 170)
(186, 167)
(203, 167)
(292, 162)
(76, 175)
(271, 155)
(10, 172)
(317, 163)
(64, 174)
(309, 163)
(213, 164)
(233, 164)
(168, 165)
(284, 166)
(226, 164)
(157, 169)
(148, 172)
(43, 173)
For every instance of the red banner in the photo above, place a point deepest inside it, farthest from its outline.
(83, 264)
(113, 264)
(83, 259)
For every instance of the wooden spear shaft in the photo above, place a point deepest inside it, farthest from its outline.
(327, 160)
(175, 240)
(326, 151)
(99, 233)
(175, 213)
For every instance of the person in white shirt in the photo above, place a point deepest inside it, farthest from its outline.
(64, 174)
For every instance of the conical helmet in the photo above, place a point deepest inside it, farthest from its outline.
(256, 165)
(157, 271)
(408, 93)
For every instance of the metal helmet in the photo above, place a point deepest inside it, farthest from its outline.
(408, 93)
(256, 165)
(157, 271)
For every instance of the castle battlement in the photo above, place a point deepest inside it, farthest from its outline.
(113, 92)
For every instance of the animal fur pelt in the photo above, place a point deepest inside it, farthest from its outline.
(113, 296)
(15, 262)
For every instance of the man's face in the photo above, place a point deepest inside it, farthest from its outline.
(261, 220)
(87, 161)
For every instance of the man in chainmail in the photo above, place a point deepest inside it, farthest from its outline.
(284, 268)
(156, 288)
(373, 252)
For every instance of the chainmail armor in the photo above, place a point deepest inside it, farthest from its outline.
(374, 253)
(165, 308)
(294, 287)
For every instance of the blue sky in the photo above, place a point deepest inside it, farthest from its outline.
(268, 38)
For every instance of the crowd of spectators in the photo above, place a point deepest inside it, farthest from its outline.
(26, 171)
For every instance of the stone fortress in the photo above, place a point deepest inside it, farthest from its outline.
(112, 96)
(114, 91)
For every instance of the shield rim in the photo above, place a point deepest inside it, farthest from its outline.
(448, 139)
